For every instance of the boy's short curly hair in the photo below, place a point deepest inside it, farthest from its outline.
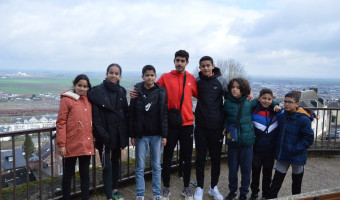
(244, 85)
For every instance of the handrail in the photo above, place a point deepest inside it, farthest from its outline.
(47, 182)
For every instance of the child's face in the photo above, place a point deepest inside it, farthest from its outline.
(206, 68)
(235, 90)
(265, 100)
(149, 77)
(290, 105)
(180, 64)
(113, 75)
(81, 87)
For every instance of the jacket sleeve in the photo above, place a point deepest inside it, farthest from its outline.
(98, 118)
(161, 81)
(165, 117)
(132, 117)
(194, 88)
(307, 134)
(61, 123)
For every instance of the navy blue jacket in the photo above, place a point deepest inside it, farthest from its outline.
(294, 138)
(265, 138)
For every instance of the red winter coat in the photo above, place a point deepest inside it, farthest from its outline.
(74, 125)
(173, 83)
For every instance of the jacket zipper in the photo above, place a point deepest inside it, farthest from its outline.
(284, 131)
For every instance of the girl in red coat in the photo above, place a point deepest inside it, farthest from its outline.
(74, 134)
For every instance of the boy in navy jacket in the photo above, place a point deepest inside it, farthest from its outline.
(294, 138)
(266, 130)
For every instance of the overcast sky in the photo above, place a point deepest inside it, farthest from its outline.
(293, 38)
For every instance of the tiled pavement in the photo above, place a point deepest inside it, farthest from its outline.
(320, 173)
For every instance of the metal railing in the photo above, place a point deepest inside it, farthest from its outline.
(48, 185)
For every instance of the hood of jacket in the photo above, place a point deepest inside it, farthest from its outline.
(235, 100)
(302, 112)
(70, 94)
(139, 86)
(216, 73)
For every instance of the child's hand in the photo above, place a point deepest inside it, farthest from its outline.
(224, 132)
(250, 97)
(163, 142)
(277, 109)
(133, 93)
(62, 151)
(133, 142)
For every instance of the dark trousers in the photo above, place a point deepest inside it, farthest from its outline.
(184, 135)
(110, 169)
(68, 172)
(212, 140)
(266, 164)
(239, 158)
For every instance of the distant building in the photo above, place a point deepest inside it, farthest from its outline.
(46, 160)
(43, 121)
(311, 99)
(335, 114)
(20, 168)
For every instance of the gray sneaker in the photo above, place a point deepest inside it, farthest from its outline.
(157, 197)
(188, 193)
(165, 194)
(140, 198)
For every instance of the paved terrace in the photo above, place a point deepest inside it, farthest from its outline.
(320, 173)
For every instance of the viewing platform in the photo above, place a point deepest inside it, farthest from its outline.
(39, 175)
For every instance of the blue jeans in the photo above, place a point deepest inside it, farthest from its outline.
(241, 157)
(142, 146)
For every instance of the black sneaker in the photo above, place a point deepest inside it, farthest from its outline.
(231, 196)
(242, 197)
(253, 196)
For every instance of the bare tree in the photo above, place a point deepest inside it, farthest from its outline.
(231, 69)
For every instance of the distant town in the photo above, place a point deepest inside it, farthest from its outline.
(31, 109)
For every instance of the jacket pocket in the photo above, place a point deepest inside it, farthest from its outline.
(73, 129)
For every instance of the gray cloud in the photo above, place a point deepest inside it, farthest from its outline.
(88, 35)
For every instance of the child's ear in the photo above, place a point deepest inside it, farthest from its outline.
(298, 104)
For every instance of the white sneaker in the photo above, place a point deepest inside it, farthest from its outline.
(140, 198)
(198, 194)
(215, 193)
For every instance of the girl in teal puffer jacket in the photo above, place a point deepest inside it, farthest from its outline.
(240, 152)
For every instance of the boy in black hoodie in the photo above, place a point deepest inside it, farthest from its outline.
(148, 128)
(209, 124)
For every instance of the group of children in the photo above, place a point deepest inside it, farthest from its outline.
(263, 132)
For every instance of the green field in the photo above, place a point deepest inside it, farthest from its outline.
(49, 84)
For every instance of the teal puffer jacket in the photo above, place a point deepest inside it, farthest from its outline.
(246, 133)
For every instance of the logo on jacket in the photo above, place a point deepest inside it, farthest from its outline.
(215, 87)
(189, 83)
(147, 106)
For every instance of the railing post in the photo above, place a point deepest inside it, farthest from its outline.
(40, 171)
(14, 167)
(52, 163)
(0, 171)
(27, 167)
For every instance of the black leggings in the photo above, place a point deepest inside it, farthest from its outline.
(110, 169)
(69, 167)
